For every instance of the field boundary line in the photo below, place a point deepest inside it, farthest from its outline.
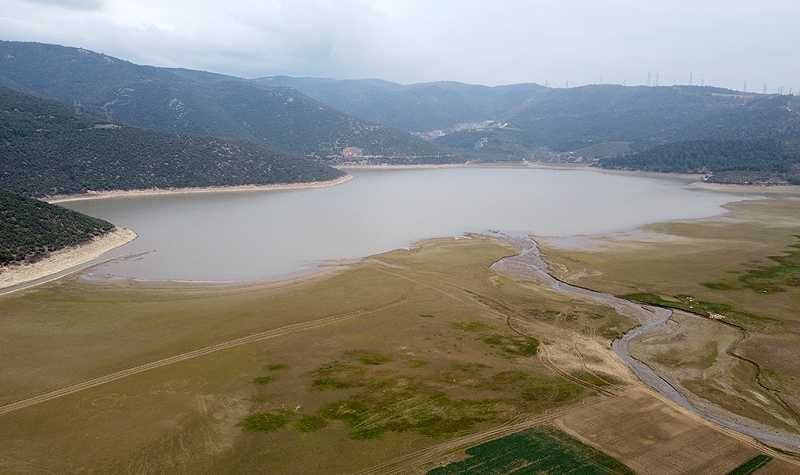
(225, 345)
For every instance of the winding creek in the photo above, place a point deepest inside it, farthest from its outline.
(529, 264)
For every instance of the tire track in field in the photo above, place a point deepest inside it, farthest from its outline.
(226, 345)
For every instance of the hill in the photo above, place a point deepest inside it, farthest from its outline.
(415, 107)
(180, 101)
(30, 229)
(565, 120)
(756, 142)
(674, 128)
(47, 149)
(727, 161)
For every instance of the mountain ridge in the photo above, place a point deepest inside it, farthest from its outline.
(46, 148)
(176, 100)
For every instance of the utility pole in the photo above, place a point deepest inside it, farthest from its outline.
(691, 78)
(744, 89)
(765, 88)
(648, 78)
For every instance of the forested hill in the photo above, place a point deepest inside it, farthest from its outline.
(758, 142)
(30, 229)
(195, 102)
(729, 161)
(48, 149)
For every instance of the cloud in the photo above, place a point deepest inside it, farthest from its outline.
(583, 41)
(72, 4)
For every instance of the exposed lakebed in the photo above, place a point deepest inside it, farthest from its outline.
(257, 236)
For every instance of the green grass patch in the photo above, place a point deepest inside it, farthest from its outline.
(383, 401)
(269, 421)
(783, 271)
(718, 286)
(310, 423)
(751, 465)
(537, 450)
(277, 366)
(513, 345)
(472, 326)
(338, 375)
(264, 379)
(368, 357)
(701, 307)
(535, 391)
(400, 405)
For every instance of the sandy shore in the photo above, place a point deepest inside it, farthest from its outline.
(756, 189)
(97, 195)
(65, 259)
(420, 166)
(688, 177)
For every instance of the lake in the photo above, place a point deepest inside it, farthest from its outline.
(229, 237)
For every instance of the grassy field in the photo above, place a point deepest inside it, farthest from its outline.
(538, 450)
(741, 268)
(402, 351)
(400, 354)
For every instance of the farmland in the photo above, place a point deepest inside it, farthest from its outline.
(538, 450)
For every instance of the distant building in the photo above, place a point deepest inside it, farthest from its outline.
(352, 152)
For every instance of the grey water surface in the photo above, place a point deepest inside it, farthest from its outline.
(266, 235)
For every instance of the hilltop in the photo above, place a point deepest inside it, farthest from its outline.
(181, 101)
(46, 148)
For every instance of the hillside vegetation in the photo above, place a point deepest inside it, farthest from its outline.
(30, 229)
(731, 161)
(734, 136)
(47, 149)
(194, 102)
(738, 137)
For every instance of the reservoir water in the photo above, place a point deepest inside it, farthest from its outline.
(265, 235)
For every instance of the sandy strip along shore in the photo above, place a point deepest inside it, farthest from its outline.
(96, 195)
(63, 260)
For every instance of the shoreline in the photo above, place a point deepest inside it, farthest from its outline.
(688, 177)
(146, 192)
(62, 262)
(416, 166)
(692, 180)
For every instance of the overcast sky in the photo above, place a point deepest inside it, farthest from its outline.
(723, 42)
